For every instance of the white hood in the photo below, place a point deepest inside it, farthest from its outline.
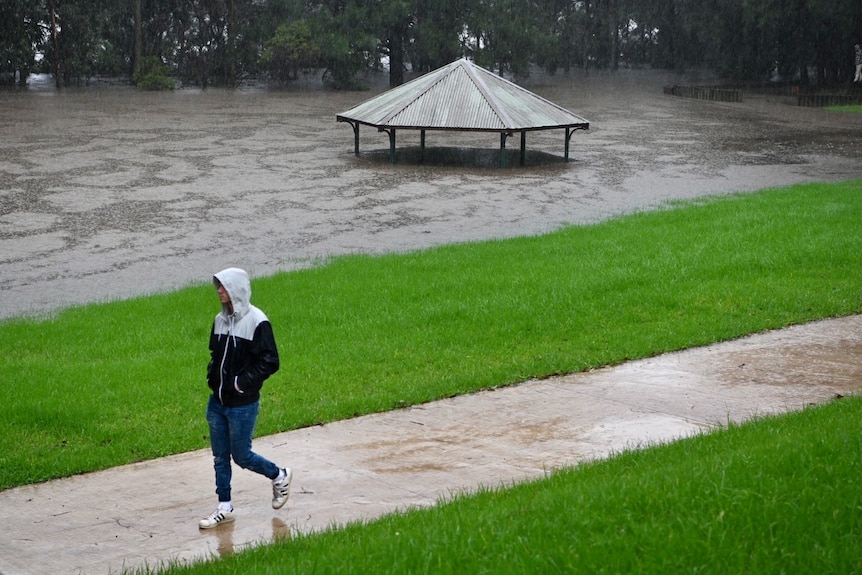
(238, 287)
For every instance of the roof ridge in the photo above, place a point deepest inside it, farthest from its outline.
(470, 68)
(441, 74)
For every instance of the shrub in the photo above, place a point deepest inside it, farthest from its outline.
(153, 75)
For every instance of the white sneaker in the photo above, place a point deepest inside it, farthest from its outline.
(281, 489)
(216, 518)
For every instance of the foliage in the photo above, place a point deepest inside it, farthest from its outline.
(225, 41)
(507, 34)
(392, 21)
(746, 39)
(362, 334)
(344, 40)
(153, 75)
(436, 33)
(79, 40)
(292, 48)
(19, 38)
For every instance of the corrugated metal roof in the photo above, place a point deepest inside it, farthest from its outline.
(462, 96)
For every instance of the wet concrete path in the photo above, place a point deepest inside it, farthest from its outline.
(146, 514)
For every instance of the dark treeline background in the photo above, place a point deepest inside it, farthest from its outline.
(224, 42)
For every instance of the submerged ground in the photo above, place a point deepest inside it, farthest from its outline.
(108, 192)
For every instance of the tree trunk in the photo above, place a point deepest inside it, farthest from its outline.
(230, 49)
(614, 33)
(58, 69)
(139, 39)
(396, 60)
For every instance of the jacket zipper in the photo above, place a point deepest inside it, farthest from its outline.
(221, 371)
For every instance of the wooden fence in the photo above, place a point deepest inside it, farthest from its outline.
(820, 100)
(809, 99)
(705, 93)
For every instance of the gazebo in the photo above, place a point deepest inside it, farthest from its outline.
(462, 97)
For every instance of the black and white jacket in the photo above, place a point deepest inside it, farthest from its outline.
(243, 352)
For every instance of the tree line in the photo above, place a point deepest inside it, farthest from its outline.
(225, 42)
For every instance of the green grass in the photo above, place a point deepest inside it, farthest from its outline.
(776, 495)
(855, 109)
(102, 385)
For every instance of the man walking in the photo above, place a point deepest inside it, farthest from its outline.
(243, 354)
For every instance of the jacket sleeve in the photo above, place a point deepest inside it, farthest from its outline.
(211, 377)
(264, 361)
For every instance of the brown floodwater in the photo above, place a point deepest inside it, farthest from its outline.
(107, 192)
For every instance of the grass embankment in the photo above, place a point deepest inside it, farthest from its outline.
(778, 495)
(855, 109)
(102, 385)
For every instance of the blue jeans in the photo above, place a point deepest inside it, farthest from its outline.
(231, 431)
